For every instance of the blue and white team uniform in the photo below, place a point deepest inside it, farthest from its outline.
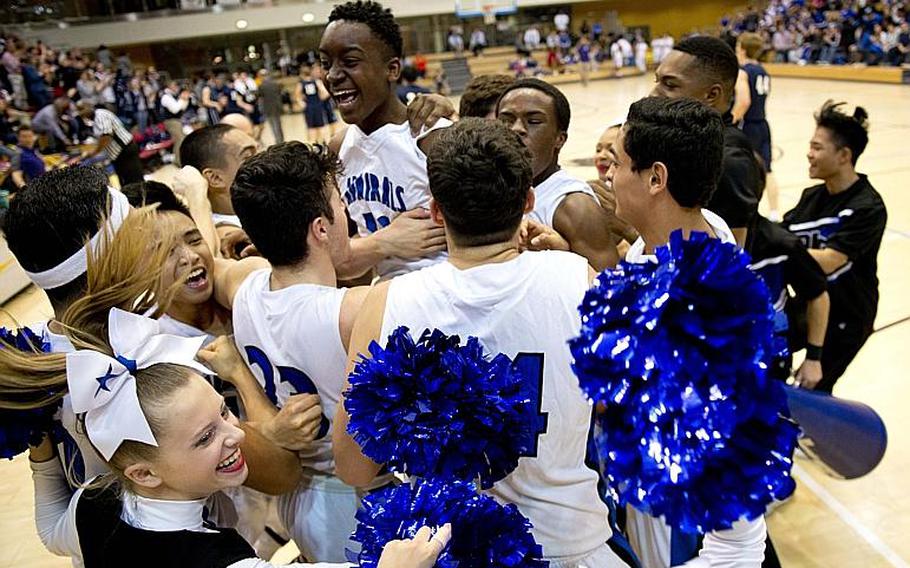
(655, 542)
(526, 308)
(550, 193)
(385, 174)
(291, 341)
(755, 122)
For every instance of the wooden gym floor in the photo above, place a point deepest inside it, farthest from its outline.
(828, 522)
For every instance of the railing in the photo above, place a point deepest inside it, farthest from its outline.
(64, 13)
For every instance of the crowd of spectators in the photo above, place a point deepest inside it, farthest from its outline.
(49, 92)
(830, 31)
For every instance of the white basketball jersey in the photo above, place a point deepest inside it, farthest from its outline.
(291, 341)
(549, 195)
(385, 174)
(526, 308)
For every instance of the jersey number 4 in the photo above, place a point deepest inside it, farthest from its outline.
(531, 366)
(299, 381)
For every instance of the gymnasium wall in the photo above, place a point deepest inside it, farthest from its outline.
(675, 16)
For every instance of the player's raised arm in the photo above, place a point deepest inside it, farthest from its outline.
(351, 465)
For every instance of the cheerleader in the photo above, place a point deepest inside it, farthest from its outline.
(170, 443)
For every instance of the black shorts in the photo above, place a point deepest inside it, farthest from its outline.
(330, 116)
(759, 134)
(314, 115)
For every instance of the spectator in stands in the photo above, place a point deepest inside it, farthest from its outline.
(138, 104)
(481, 95)
(782, 41)
(420, 64)
(56, 123)
(87, 87)
(114, 140)
(174, 103)
(561, 21)
(478, 41)
(455, 41)
(27, 164)
(408, 89)
(841, 221)
(583, 55)
(532, 38)
(900, 53)
(553, 40)
(103, 55)
(625, 47)
(641, 52)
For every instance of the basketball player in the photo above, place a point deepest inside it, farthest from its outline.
(705, 68)
(481, 95)
(841, 221)
(752, 89)
(292, 323)
(74, 204)
(216, 152)
(311, 94)
(539, 113)
(480, 175)
(667, 160)
(384, 165)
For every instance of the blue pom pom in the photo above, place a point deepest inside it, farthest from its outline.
(485, 534)
(435, 408)
(675, 354)
(21, 427)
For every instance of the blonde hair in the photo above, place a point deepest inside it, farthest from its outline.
(752, 44)
(124, 273)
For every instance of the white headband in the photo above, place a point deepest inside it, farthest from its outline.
(104, 388)
(76, 265)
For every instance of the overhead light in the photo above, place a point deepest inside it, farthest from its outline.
(241, 24)
(308, 17)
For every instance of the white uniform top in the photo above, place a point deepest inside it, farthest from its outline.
(527, 305)
(222, 219)
(741, 546)
(171, 326)
(291, 341)
(385, 174)
(549, 194)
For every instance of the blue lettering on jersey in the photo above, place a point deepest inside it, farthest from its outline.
(300, 382)
(368, 187)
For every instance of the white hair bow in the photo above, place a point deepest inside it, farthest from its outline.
(104, 388)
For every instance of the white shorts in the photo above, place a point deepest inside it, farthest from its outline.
(319, 516)
(601, 557)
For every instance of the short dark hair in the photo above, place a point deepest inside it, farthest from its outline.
(480, 175)
(482, 93)
(24, 128)
(203, 148)
(686, 136)
(279, 192)
(150, 192)
(846, 130)
(560, 102)
(52, 218)
(379, 19)
(714, 58)
(409, 74)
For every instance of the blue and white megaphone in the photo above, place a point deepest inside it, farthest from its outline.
(847, 437)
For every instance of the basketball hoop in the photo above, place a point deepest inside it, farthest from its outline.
(489, 14)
